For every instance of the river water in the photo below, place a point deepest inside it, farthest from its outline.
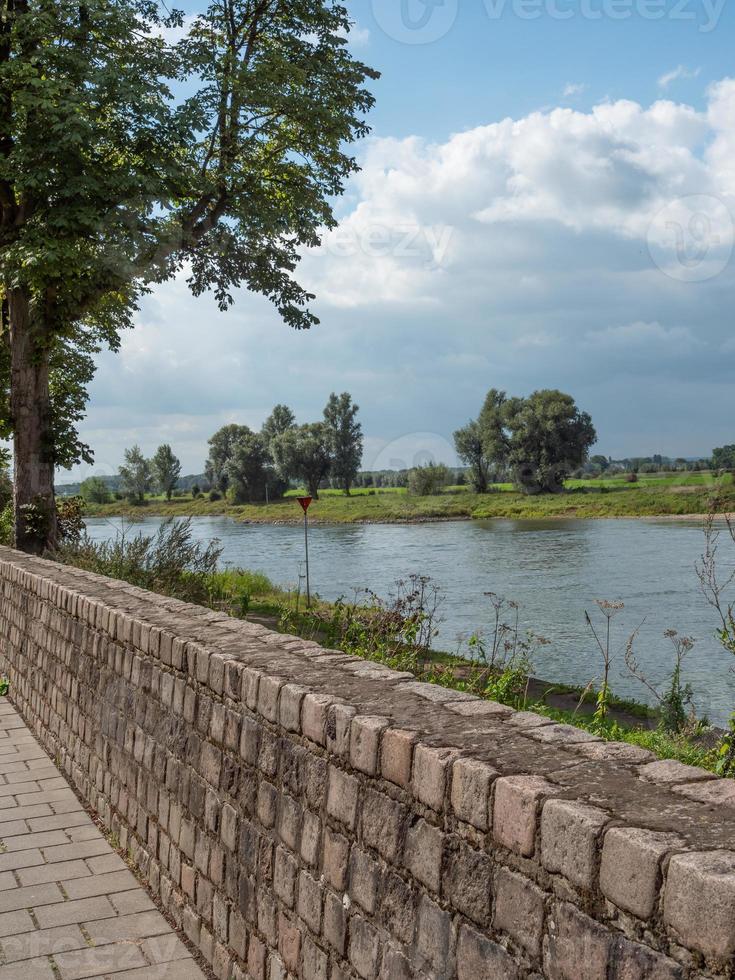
(554, 569)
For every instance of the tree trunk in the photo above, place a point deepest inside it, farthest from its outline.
(30, 409)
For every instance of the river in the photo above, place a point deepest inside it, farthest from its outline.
(554, 569)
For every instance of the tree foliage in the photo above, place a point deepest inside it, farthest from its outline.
(471, 450)
(165, 470)
(540, 439)
(110, 184)
(428, 480)
(249, 468)
(135, 475)
(280, 420)
(304, 454)
(345, 439)
(548, 438)
(94, 490)
(221, 449)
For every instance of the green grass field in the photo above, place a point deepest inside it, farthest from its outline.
(664, 495)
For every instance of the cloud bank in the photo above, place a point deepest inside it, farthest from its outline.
(590, 251)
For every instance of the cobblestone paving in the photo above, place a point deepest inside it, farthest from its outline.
(69, 906)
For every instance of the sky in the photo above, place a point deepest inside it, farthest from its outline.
(546, 200)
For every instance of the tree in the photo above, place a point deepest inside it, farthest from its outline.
(135, 475)
(723, 458)
(280, 420)
(165, 470)
(345, 438)
(304, 454)
(471, 450)
(547, 438)
(232, 181)
(249, 468)
(94, 490)
(221, 449)
(492, 427)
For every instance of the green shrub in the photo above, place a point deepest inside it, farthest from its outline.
(425, 481)
(169, 562)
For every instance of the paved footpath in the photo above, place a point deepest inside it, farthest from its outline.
(69, 906)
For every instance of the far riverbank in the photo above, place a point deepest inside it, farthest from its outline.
(393, 506)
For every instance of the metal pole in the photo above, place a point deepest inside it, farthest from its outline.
(306, 549)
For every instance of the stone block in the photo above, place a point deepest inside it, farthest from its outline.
(364, 948)
(429, 777)
(342, 796)
(364, 878)
(434, 937)
(365, 732)
(423, 854)
(576, 947)
(335, 859)
(396, 756)
(570, 840)
(699, 901)
(630, 872)
(467, 882)
(471, 783)
(478, 958)
(519, 910)
(381, 820)
(517, 800)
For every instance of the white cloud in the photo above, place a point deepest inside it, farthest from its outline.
(514, 254)
(678, 73)
(572, 89)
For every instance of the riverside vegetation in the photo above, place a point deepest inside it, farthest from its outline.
(497, 663)
(651, 495)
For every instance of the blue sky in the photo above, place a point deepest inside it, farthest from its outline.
(544, 202)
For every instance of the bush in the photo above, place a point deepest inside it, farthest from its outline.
(215, 495)
(423, 481)
(631, 477)
(94, 490)
(169, 562)
(195, 491)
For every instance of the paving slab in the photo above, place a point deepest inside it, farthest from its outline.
(70, 909)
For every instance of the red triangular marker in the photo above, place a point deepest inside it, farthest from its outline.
(304, 501)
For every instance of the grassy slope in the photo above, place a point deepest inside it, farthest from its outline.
(668, 495)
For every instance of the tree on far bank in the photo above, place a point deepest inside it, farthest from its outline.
(94, 490)
(548, 438)
(280, 420)
(249, 468)
(166, 470)
(135, 475)
(221, 449)
(471, 450)
(232, 181)
(723, 458)
(345, 439)
(304, 454)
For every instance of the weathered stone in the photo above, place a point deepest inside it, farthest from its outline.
(570, 840)
(699, 899)
(471, 782)
(515, 811)
(519, 910)
(630, 873)
(478, 958)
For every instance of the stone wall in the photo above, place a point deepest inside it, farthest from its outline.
(301, 813)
